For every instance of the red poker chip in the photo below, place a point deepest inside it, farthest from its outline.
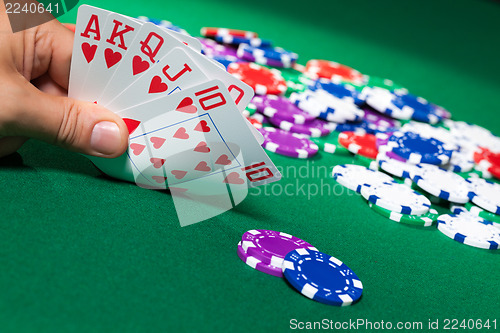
(213, 32)
(264, 81)
(363, 144)
(332, 71)
(257, 124)
(488, 161)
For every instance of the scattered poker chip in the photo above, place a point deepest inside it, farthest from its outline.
(355, 176)
(321, 277)
(424, 220)
(478, 211)
(381, 100)
(474, 134)
(381, 121)
(258, 264)
(288, 144)
(257, 124)
(396, 197)
(281, 108)
(295, 80)
(270, 246)
(460, 161)
(267, 55)
(330, 144)
(485, 194)
(238, 41)
(422, 109)
(313, 128)
(264, 81)
(417, 149)
(250, 109)
(487, 161)
(332, 70)
(429, 131)
(323, 105)
(358, 126)
(340, 90)
(214, 49)
(212, 32)
(470, 229)
(363, 144)
(441, 183)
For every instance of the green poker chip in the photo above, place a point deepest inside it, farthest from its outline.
(482, 213)
(330, 144)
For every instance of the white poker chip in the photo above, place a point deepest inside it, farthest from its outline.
(356, 176)
(470, 229)
(394, 167)
(396, 197)
(441, 183)
(485, 194)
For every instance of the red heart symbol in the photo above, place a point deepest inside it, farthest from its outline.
(186, 106)
(234, 178)
(131, 124)
(181, 134)
(179, 174)
(89, 51)
(157, 86)
(202, 147)
(112, 58)
(203, 166)
(137, 149)
(223, 160)
(202, 127)
(157, 142)
(139, 65)
(159, 179)
(157, 162)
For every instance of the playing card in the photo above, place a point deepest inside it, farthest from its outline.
(88, 29)
(118, 34)
(151, 45)
(202, 124)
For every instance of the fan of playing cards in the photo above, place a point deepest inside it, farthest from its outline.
(183, 111)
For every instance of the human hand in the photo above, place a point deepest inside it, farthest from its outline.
(34, 76)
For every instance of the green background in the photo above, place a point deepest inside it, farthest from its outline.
(80, 252)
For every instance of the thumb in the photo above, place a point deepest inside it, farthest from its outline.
(79, 126)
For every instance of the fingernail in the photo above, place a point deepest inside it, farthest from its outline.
(106, 138)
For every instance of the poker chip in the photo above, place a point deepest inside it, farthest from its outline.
(264, 81)
(478, 211)
(267, 55)
(460, 161)
(487, 161)
(322, 105)
(216, 51)
(288, 144)
(281, 108)
(485, 194)
(250, 109)
(330, 144)
(363, 144)
(321, 277)
(212, 32)
(417, 149)
(238, 41)
(381, 121)
(332, 70)
(475, 134)
(381, 100)
(343, 91)
(470, 229)
(355, 176)
(313, 128)
(258, 264)
(271, 247)
(257, 124)
(396, 197)
(422, 109)
(441, 183)
(425, 220)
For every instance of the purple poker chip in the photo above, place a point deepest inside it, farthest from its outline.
(214, 49)
(380, 120)
(314, 128)
(271, 247)
(288, 144)
(258, 264)
(282, 108)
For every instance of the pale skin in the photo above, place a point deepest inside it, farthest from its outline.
(34, 76)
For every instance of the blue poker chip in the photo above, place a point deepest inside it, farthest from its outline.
(423, 111)
(321, 277)
(417, 149)
(268, 52)
(225, 60)
(339, 90)
(233, 40)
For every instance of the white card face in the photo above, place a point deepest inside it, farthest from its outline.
(174, 72)
(89, 25)
(117, 36)
(194, 134)
(151, 45)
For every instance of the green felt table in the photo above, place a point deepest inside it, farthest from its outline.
(83, 253)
